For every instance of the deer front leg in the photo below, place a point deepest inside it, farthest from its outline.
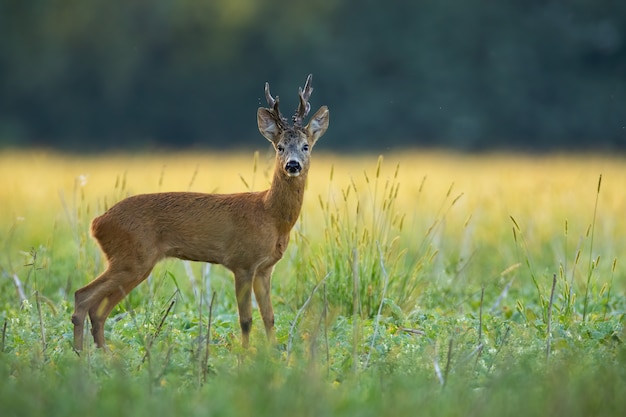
(243, 291)
(262, 292)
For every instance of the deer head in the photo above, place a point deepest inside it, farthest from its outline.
(292, 142)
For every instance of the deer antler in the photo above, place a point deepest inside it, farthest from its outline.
(273, 104)
(304, 107)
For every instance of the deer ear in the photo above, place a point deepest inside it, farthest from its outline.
(317, 125)
(267, 125)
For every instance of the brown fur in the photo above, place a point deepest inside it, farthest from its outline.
(247, 233)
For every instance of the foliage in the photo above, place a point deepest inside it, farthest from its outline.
(398, 293)
(467, 75)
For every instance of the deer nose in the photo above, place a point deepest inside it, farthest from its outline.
(293, 167)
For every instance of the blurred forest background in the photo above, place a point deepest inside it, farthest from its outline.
(535, 75)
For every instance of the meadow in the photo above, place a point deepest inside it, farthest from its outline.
(415, 283)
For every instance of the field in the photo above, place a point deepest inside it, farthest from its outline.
(414, 284)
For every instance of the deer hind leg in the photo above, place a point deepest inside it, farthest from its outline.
(101, 310)
(84, 299)
(243, 291)
(99, 297)
(262, 292)
(78, 318)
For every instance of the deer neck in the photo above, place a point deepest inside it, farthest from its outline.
(284, 198)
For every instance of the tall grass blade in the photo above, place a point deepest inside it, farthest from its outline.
(205, 362)
(591, 264)
(380, 306)
(301, 310)
(610, 287)
(19, 288)
(355, 307)
(4, 335)
(549, 322)
(448, 363)
(194, 175)
(528, 263)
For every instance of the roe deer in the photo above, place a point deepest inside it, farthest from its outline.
(247, 232)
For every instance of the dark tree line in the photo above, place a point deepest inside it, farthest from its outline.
(472, 75)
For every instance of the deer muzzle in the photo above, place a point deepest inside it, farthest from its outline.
(293, 168)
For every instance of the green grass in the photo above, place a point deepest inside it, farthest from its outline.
(399, 295)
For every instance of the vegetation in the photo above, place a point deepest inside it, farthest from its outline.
(538, 75)
(432, 283)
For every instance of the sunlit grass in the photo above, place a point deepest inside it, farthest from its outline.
(405, 273)
(540, 191)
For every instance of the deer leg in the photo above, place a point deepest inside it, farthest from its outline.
(243, 291)
(78, 319)
(83, 302)
(262, 292)
(101, 310)
(99, 297)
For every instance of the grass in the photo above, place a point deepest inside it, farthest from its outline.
(442, 283)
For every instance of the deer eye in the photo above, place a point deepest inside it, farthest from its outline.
(280, 148)
(305, 148)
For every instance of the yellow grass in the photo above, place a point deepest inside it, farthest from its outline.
(42, 191)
